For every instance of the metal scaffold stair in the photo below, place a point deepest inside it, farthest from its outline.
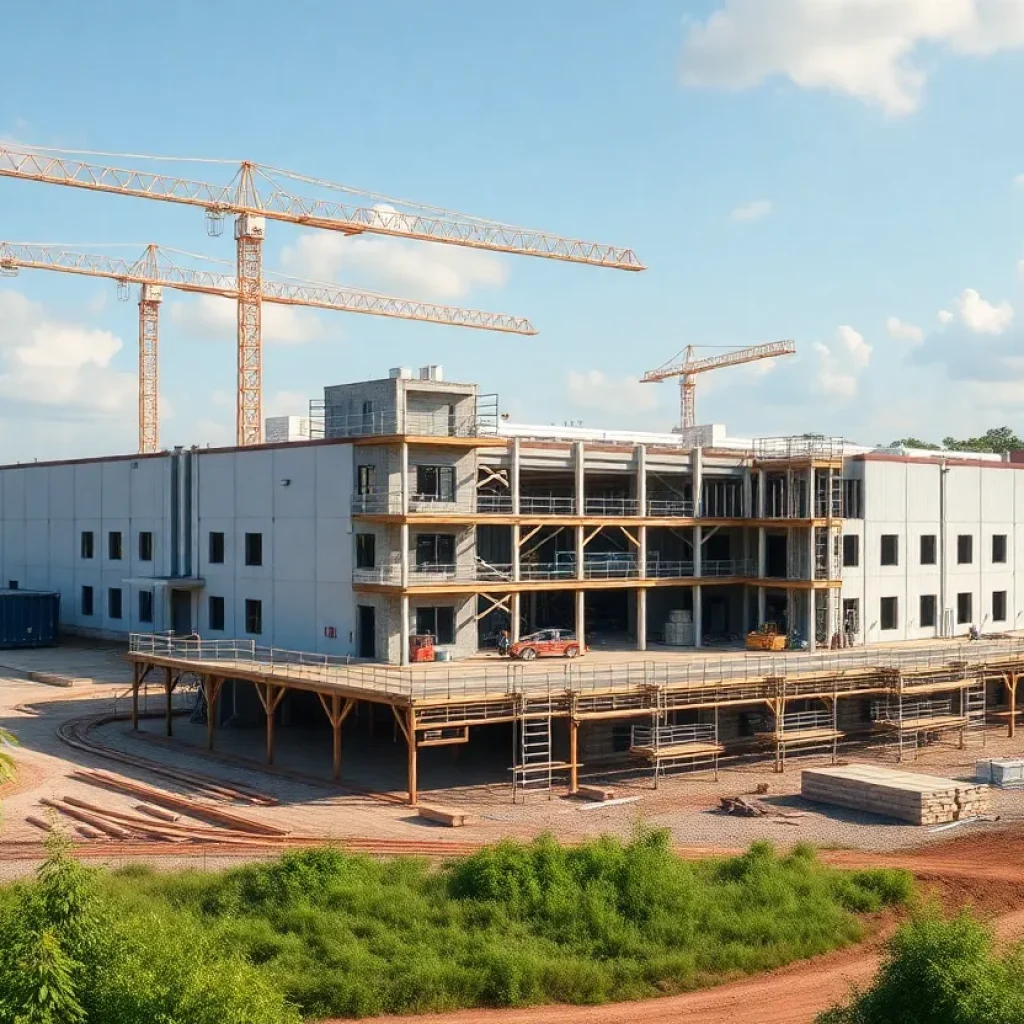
(533, 767)
(975, 709)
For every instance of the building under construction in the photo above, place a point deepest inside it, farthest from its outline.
(415, 509)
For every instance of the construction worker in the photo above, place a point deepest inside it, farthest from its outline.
(504, 643)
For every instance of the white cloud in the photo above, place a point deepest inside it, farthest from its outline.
(64, 366)
(286, 403)
(901, 331)
(980, 316)
(1019, 181)
(868, 49)
(840, 365)
(592, 389)
(752, 211)
(945, 317)
(210, 315)
(439, 272)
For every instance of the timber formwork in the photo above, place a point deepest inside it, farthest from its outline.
(435, 706)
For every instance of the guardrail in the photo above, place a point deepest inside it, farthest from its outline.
(670, 735)
(700, 682)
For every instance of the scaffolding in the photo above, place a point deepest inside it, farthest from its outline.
(533, 767)
(809, 731)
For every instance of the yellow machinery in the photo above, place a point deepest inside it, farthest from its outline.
(766, 638)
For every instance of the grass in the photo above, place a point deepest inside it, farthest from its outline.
(514, 924)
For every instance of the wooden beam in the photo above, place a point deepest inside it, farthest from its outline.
(410, 733)
(336, 712)
(401, 724)
(574, 728)
(495, 605)
(1012, 679)
(168, 690)
(593, 533)
(211, 690)
(530, 533)
(707, 536)
(136, 679)
(633, 540)
(501, 475)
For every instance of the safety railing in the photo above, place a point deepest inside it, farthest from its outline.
(798, 721)
(801, 447)
(385, 422)
(660, 736)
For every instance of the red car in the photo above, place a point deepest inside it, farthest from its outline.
(546, 643)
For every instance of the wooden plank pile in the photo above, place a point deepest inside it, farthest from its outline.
(919, 799)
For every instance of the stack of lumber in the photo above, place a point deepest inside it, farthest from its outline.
(919, 799)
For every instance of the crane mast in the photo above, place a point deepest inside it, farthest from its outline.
(153, 272)
(242, 197)
(688, 368)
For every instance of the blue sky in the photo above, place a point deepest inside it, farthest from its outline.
(839, 172)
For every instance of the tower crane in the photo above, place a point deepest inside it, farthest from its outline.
(156, 270)
(258, 193)
(687, 370)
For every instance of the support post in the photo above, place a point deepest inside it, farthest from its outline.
(514, 475)
(136, 673)
(698, 570)
(641, 480)
(517, 543)
(697, 464)
(411, 737)
(271, 708)
(168, 690)
(336, 721)
(403, 654)
(1012, 679)
(580, 552)
(698, 617)
(812, 622)
(574, 728)
(579, 467)
(581, 625)
(211, 690)
(641, 619)
(515, 614)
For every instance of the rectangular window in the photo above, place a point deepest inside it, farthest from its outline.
(215, 613)
(367, 417)
(114, 545)
(87, 546)
(216, 548)
(851, 615)
(114, 602)
(435, 483)
(87, 600)
(852, 506)
(366, 551)
(254, 549)
(12, 584)
(145, 606)
(964, 549)
(366, 479)
(928, 549)
(435, 549)
(851, 549)
(145, 546)
(253, 616)
(928, 604)
(890, 550)
(889, 613)
(964, 608)
(998, 605)
(438, 622)
(998, 547)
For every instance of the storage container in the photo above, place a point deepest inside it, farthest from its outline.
(28, 618)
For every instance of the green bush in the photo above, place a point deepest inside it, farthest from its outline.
(319, 933)
(938, 971)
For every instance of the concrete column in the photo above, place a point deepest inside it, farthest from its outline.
(404, 639)
(698, 617)
(829, 613)
(761, 606)
(515, 605)
(403, 541)
(745, 612)
(514, 475)
(516, 546)
(748, 498)
(697, 472)
(698, 551)
(641, 619)
(812, 635)
(641, 551)
(762, 497)
(762, 553)
(581, 624)
(580, 552)
(403, 476)
(811, 572)
(641, 479)
(579, 467)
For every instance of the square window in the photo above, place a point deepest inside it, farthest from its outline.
(114, 545)
(889, 613)
(928, 549)
(215, 613)
(114, 602)
(145, 606)
(890, 550)
(964, 549)
(87, 544)
(145, 546)
(253, 616)
(928, 604)
(216, 548)
(435, 483)
(964, 608)
(435, 549)
(998, 605)
(851, 549)
(87, 600)
(366, 482)
(438, 622)
(999, 547)
(254, 549)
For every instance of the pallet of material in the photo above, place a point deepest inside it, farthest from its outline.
(677, 750)
(443, 816)
(598, 793)
(1006, 774)
(798, 737)
(933, 724)
(919, 799)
